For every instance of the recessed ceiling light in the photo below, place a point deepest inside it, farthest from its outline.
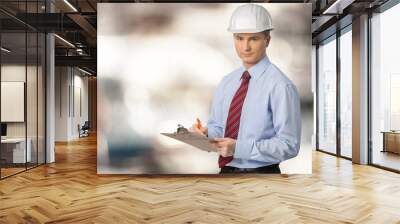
(70, 5)
(5, 50)
(338, 6)
(64, 40)
(84, 71)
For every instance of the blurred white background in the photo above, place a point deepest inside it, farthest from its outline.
(158, 66)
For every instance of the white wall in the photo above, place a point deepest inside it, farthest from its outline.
(33, 126)
(80, 89)
(70, 84)
(12, 73)
(62, 80)
(16, 73)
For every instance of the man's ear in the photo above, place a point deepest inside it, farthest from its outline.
(267, 39)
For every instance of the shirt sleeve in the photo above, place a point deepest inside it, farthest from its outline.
(215, 123)
(285, 144)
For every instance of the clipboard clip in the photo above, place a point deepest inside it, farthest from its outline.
(181, 129)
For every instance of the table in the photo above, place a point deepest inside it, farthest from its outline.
(391, 141)
(13, 150)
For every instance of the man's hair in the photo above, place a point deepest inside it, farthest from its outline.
(266, 33)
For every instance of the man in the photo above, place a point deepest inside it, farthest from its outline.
(255, 120)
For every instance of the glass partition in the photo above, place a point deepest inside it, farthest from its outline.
(14, 153)
(327, 96)
(22, 78)
(346, 94)
(385, 88)
(41, 88)
(32, 95)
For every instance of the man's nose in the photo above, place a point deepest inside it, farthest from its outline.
(246, 45)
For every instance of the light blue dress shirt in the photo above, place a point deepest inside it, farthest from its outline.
(270, 123)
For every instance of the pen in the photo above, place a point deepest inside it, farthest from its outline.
(198, 123)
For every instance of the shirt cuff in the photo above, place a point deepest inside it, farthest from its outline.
(243, 149)
(212, 133)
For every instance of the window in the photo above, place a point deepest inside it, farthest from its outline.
(22, 77)
(385, 88)
(346, 93)
(327, 96)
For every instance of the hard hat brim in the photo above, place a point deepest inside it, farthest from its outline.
(248, 30)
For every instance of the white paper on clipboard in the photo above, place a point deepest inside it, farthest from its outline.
(193, 139)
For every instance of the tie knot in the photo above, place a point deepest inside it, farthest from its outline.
(246, 76)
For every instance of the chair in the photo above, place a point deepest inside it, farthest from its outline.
(84, 130)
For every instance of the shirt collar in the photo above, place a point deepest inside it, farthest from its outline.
(258, 69)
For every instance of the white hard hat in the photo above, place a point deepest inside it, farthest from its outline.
(250, 18)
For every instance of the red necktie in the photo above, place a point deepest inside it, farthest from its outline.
(235, 110)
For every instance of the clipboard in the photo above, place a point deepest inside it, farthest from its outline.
(199, 141)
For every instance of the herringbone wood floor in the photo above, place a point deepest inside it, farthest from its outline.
(70, 191)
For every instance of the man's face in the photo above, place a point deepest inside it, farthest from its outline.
(250, 47)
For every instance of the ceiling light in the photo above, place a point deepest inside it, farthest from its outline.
(84, 71)
(5, 50)
(70, 5)
(338, 6)
(64, 40)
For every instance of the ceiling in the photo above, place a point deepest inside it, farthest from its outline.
(76, 22)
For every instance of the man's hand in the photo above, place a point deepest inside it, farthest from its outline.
(225, 146)
(201, 130)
